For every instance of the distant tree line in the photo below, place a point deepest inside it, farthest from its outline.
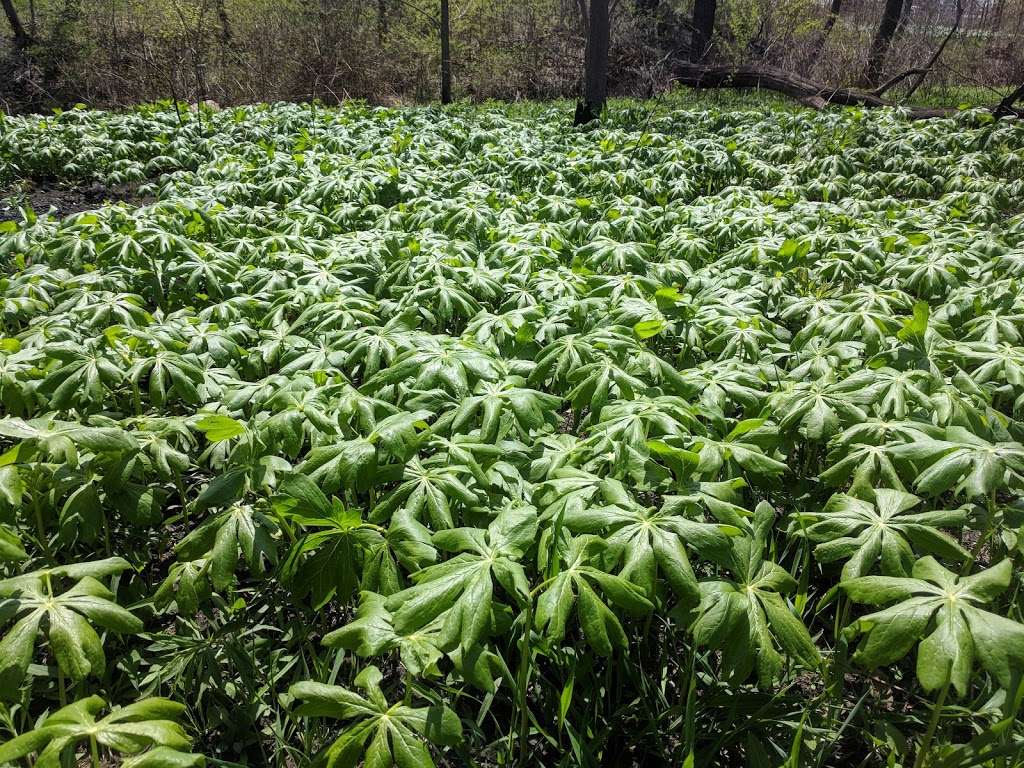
(110, 52)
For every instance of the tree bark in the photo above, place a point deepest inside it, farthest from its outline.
(704, 12)
(826, 30)
(595, 75)
(22, 38)
(1006, 106)
(809, 93)
(446, 54)
(225, 23)
(382, 21)
(883, 39)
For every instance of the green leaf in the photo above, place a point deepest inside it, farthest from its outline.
(645, 329)
(218, 427)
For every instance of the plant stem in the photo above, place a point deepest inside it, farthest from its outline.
(926, 742)
(407, 681)
(837, 669)
(40, 527)
(106, 534)
(61, 693)
(180, 484)
(94, 752)
(136, 398)
(522, 682)
(990, 515)
(689, 715)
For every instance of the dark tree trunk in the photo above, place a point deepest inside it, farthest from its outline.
(997, 17)
(901, 25)
(1005, 107)
(225, 23)
(595, 75)
(446, 55)
(382, 21)
(703, 29)
(21, 35)
(883, 39)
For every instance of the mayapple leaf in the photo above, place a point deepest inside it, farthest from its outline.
(218, 427)
(939, 611)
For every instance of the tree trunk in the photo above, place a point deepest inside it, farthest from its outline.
(1005, 107)
(703, 29)
(595, 76)
(225, 23)
(809, 93)
(382, 21)
(21, 36)
(883, 39)
(826, 30)
(901, 25)
(446, 55)
(997, 17)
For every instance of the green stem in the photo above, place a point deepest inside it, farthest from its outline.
(40, 527)
(522, 682)
(926, 742)
(407, 680)
(106, 534)
(161, 297)
(61, 693)
(136, 398)
(990, 516)
(837, 669)
(689, 714)
(94, 752)
(180, 484)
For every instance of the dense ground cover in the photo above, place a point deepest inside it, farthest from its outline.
(467, 437)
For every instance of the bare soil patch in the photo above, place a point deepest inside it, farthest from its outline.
(64, 200)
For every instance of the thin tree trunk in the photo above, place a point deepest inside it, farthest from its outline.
(704, 12)
(997, 17)
(21, 35)
(883, 39)
(826, 30)
(595, 75)
(901, 25)
(446, 55)
(382, 21)
(225, 23)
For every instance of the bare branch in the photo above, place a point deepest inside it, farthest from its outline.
(897, 79)
(938, 51)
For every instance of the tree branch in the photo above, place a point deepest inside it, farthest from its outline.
(1005, 107)
(897, 79)
(809, 93)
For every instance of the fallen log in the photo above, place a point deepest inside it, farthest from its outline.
(805, 91)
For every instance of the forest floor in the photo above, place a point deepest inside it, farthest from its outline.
(64, 200)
